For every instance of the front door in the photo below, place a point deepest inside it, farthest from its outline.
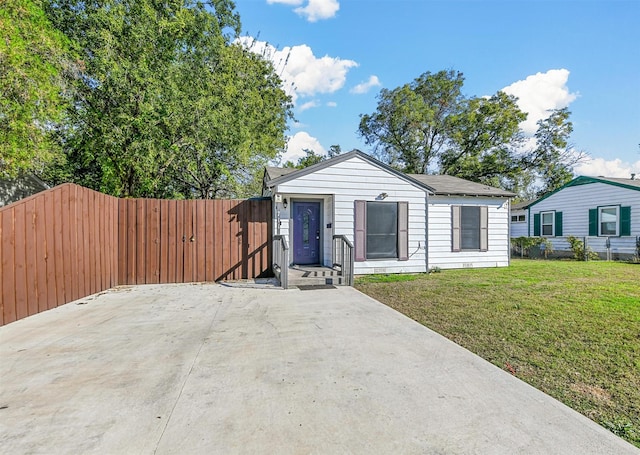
(306, 232)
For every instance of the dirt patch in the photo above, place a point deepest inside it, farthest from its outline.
(591, 391)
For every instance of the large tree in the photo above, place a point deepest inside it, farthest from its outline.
(33, 60)
(411, 125)
(167, 105)
(553, 158)
(429, 126)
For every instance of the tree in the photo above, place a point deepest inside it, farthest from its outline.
(483, 138)
(167, 105)
(33, 60)
(552, 159)
(311, 158)
(412, 123)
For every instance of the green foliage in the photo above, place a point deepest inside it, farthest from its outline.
(312, 158)
(579, 253)
(166, 105)
(428, 125)
(525, 244)
(33, 60)
(553, 159)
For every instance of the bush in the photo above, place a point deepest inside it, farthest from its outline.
(525, 244)
(577, 246)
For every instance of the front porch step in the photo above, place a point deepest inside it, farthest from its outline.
(314, 276)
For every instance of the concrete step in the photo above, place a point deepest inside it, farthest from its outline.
(316, 281)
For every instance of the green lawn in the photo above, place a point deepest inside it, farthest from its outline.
(570, 329)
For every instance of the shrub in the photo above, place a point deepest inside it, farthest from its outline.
(579, 253)
(525, 244)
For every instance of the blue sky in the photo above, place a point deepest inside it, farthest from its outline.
(580, 54)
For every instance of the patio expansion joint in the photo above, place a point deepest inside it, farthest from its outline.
(195, 358)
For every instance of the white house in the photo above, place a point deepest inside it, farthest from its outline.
(396, 222)
(12, 190)
(519, 218)
(604, 210)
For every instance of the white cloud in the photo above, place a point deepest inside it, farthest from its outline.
(285, 2)
(540, 93)
(314, 9)
(298, 143)
(308, 105)
(332, 104)
(303, 74)
(364, 87)
(318, 9)
(608, 168)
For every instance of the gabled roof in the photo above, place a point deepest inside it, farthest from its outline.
(277, 176)
(522, 204)
(583, 180)
(448, 185)
(434, 184)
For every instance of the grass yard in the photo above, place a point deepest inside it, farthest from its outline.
(570, 329)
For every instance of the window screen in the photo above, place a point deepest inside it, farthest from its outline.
(470, 228)
(547, 223)
(609, 221)
(382, 230)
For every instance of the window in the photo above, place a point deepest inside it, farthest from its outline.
(469, 228)
(381, 230)
(518, 218)
(547, 223)
(608, 217)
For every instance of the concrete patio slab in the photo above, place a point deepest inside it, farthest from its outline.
(214, 369)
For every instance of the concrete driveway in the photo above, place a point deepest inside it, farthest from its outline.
(208, 369)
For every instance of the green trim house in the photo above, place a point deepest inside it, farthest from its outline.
(604, 210)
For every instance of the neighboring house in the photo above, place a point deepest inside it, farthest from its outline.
(603, 210)
(396, 222)
(519, 217)
(19, 188)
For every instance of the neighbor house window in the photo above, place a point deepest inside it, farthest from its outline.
(547, 224)
(469, 228)
(610, 221)
(547, 219)
(608, 217)
(381, 230)
(518, 218)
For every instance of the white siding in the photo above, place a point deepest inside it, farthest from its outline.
(519, 228)
(339, 186)
(575, 201)
(440, 236)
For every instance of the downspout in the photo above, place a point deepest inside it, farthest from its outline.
(426, 231)
(509, 231)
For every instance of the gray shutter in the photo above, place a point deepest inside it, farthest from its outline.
(484, 228)
(360, 227)
(455, 228)
(403, 231)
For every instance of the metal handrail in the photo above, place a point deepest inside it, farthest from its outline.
(343, 257)
(281, 260)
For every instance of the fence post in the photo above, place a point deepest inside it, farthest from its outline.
(585, 248)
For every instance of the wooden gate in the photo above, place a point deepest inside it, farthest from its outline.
(168, 241)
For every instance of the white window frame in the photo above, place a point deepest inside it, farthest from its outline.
(553, 224)
(617, 209)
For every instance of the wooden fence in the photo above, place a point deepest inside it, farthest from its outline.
(69, 242)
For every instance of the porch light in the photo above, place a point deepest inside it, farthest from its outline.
(383, 196)
(285, 203)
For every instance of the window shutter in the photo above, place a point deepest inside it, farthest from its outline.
(625, 220)
(536, 225)
(403, 231)
(484, 228)
(593, 222)
(455, 228)
(558, 224)
(360, 230)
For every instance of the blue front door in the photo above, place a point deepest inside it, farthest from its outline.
(306, 232)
